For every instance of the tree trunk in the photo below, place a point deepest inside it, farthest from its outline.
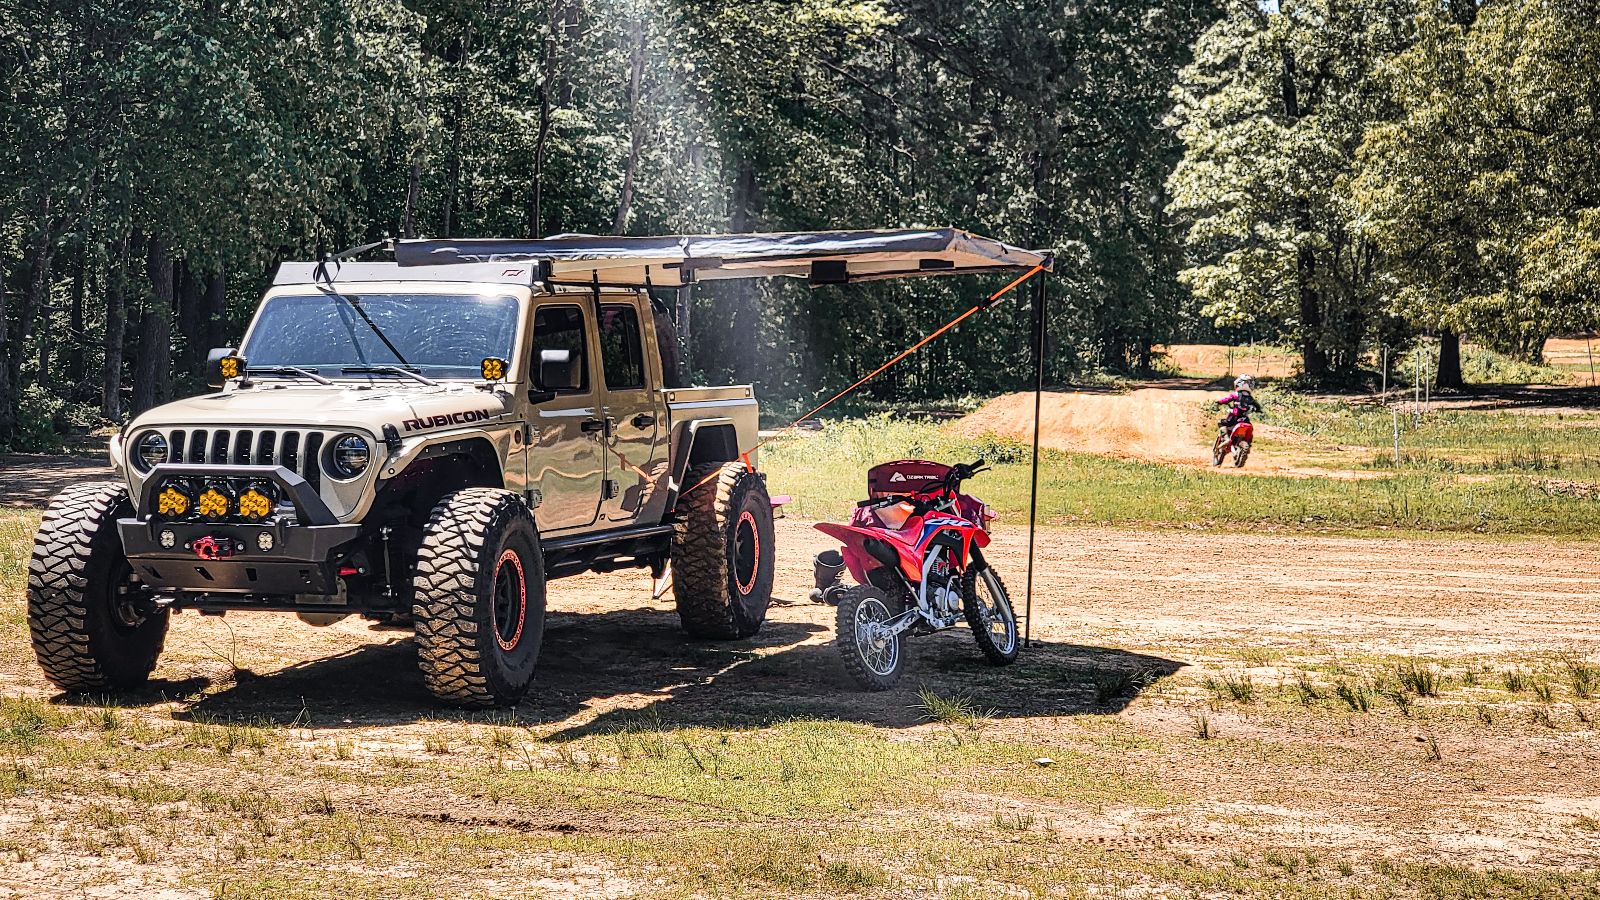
(408, 219)
(154, 356)
(116, 332)
(1449, 375)
(8, 401)
(215, 311)
(190, 321)
(636, 128)
(73, 363)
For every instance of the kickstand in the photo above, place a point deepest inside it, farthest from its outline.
(662, 582)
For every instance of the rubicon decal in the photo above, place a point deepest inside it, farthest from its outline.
(456, 418)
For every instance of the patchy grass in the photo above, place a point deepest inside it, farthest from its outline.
(825, 472)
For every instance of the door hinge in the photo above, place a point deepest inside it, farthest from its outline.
(534, 497)
(612, 488)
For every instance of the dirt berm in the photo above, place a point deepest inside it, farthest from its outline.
(1155, 424)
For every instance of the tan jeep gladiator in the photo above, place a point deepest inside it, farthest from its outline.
(414, 444)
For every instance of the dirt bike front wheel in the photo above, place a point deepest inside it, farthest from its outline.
(873, 656)
(1219, 450)
(989, 614)
(1241, 452)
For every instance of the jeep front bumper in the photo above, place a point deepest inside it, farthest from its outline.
(292, 551)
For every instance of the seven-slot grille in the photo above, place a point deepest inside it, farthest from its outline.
(296, 450)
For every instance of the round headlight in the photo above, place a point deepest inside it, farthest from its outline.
(150, 450)
(350, 456)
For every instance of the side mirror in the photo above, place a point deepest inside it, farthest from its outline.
(223, 364)
(557, 371)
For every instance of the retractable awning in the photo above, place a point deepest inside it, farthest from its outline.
(821, 257)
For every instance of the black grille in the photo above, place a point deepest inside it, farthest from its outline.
(298, 451)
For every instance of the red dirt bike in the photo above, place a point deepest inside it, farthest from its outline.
(915, 549)
(1236, 441)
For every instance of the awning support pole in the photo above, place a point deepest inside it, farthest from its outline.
(1033, 485)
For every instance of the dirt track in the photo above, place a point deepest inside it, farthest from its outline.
(1172, 424)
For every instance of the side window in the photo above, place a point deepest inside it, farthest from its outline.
(561, 328)
(620, 347)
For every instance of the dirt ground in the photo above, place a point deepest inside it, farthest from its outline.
(1446, 782)
(31, 479)
(1172, 423)
(1213, 360)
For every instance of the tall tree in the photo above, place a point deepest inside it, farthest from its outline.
(1484, 193)
(1271, 114)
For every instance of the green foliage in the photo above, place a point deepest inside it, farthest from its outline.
(1271, 113)
(1479, 190)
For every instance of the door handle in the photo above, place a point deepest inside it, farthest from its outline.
(643, 420)
(590, 426)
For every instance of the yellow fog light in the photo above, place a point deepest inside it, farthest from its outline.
(213, 503)
(254, 505)
(231, 367)
(494, 368)
(172, 502)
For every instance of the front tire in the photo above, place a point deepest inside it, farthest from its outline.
(87, 630)
(989, 614)
(1219, 449)
(875, 662)
(479, 599)
(722, 552)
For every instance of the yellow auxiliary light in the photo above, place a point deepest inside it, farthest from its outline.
(172, 502)
(493, 368)
(230, 366)
(254, 505)
(213, 503)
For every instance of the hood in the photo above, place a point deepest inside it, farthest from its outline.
(408, 408)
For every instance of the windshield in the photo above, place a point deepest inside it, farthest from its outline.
(440, 335)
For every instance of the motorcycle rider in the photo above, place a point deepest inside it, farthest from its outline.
(1239, 404)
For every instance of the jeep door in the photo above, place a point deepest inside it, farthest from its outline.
(565, 457)
(634, 410)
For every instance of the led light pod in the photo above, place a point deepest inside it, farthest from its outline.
(213, 503)
(253, 504)
(172, 501)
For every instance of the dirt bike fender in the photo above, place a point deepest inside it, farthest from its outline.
(856, 557)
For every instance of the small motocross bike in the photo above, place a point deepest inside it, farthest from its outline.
(1235, 440)
(915, 549)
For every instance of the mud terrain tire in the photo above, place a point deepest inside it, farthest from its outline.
(479, 599)
(85, 632)
(722, 552)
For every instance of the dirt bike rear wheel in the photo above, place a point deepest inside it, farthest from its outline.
(875, 662)
(1241, 452)
(989, 614)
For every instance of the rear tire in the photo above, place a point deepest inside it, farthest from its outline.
(479, 599)
(983, 616)
(876, 667)
(86, 632)
(1241, 452)
(722, 552)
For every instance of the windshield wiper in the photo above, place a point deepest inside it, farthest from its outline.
(388, 370)
(355, 304)
(287, 370)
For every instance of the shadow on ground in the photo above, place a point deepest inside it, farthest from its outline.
(31, 479)
(632, 663)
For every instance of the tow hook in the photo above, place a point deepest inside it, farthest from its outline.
(209, 547)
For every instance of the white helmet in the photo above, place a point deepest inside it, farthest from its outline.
(1244, 383)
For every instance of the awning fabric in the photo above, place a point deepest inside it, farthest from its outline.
(822, 257)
